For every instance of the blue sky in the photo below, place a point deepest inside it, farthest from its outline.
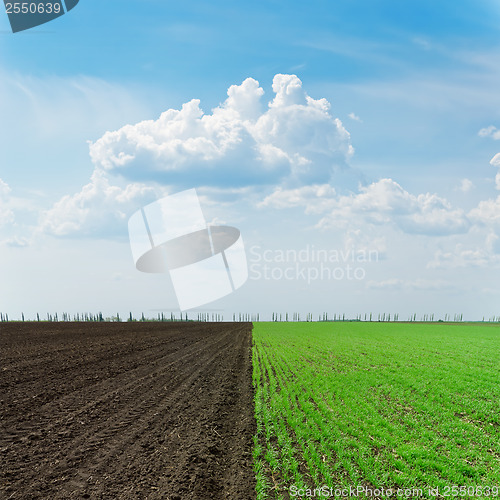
(400, 158)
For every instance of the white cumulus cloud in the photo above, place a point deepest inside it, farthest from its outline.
(386, 202)
(315, 198)
(495, 161)
(487, 212)
(355, 117)
(295, 138)
(490, 131)
(99, 209)
(465, 185)
(461, 257)
(6, 213)
(382, 202)
(292, 140)
(4, 188)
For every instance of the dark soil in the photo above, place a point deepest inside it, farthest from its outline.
(126, 411)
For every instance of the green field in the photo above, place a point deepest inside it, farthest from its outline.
(377, 405)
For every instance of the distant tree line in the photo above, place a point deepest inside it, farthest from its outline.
(242, 317)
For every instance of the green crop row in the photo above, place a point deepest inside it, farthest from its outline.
(375, 405)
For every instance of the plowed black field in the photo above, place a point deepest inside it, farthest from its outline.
(126, 410)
